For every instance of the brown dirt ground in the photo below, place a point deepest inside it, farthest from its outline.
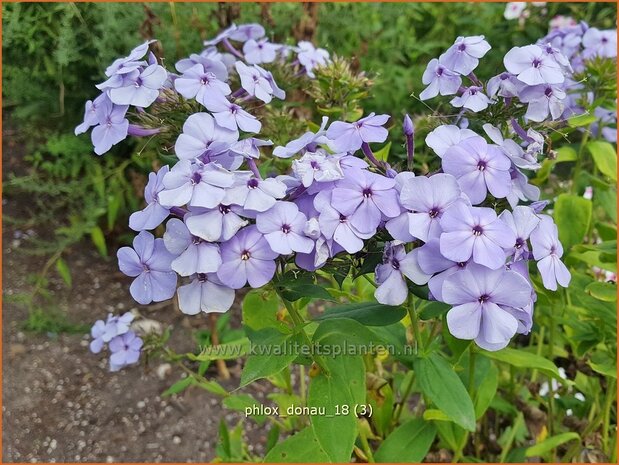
(60, 403)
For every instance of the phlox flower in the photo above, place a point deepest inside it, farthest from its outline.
(193, 255)
(125, 350)
(533, 66)
(463, 56)
(91, 115)
(475, 232)
(140, 88)
(390, 275)
(260, 51)
(547, 250)
(439, 80)
(445, 136)
(311, 57)
(150, 263)
(543, 100)
(307, 142)
(348, 137)
(154, 213)
(600, 43)
(202, 135)
(472, 98)
(504, 85)
(247, 258)
(479, 168)
(112, 128)
(316, 167)
(336, 225)
(245, 32)
(216, 224)
(514, 151)
(481, 298)
(231, 116)
(200, 84)
(131, 62)
(195, 184)
(205, 293)
(249, 147)
(365, 198)
(211, 63)
(398, 226)
(103, 332)
(522, 221)
(254, 83)
(428, 198)
(283, 227)
(253, 193)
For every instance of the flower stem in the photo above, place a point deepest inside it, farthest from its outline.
(405, 394)
(251, 163)
(367, 151)
(232, 50)
(299, 323)
(412, 312)
(222, 369)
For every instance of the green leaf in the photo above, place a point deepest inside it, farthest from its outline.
(566, 153)
(528, 360)
(486, 391)
(113, 206)
(303, 447)
(440, 383)
(178, 387)
(435, 414)
(409, 443)
(64, 271)
(336, 434)
(572, 216)
(605, 157)
(432, 309)
(367, 313)
(229, 351)
(211, 386)
(295, 292)
(240, 402)
(274, 353)
(342, 332)
(602, 291)
(272, 438)
(260, 310)
(550, 443)
(383, 153)
(581, 120)
(98, 239)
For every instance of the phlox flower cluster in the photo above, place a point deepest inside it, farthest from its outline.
(228, 226)
(138, 80)
(580, 43)
(124, 344)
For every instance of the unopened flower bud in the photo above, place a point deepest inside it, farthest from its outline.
(407, 126)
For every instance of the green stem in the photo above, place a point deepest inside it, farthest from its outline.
(471, 370)
(302, 386)
(407, 392)
(540, 346)
(579, 160)
(412, 312)
(610, 396)
(299, 324)
(366, 446)
(369, 280)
